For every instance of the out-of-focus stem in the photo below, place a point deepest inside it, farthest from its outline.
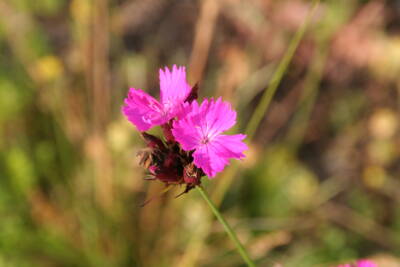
(277, 76)
(242, 251)
(262, 107)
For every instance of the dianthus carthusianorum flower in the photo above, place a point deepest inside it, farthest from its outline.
(360, 263)
(200, 129)
(144, 111)
(193, 143)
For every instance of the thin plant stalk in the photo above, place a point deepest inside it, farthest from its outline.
(307, 101)
(265, 101)
(277, 76)
(242, 251)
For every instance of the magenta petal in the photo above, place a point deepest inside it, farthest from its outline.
(185, 109)
(173, 89)
(186, 131)
(230, 146)
(206, 157)
(360, 263)
(143, 110)
(214, 156)
(366, 263)
(216, 116)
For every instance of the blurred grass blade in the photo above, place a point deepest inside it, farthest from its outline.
(262, 107)
(242, 251)
(308, 99)
(277, 77)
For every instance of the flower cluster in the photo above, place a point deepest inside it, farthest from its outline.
(360, 263)
(193, 144)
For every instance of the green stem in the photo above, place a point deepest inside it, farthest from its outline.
(242, 251)
(263, 105)
(277, 76)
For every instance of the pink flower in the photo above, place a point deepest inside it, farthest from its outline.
(360, 263)
(366, 263)
(144, 111)
(200, 130)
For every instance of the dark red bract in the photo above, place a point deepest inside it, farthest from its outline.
(167, 161)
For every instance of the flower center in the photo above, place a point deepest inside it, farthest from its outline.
(205, 140)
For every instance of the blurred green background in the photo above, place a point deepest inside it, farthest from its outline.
(320, 184)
